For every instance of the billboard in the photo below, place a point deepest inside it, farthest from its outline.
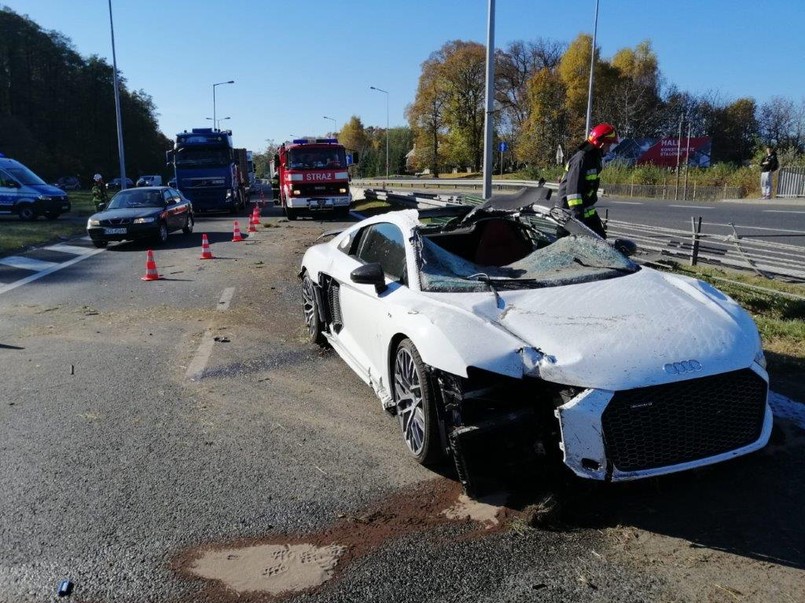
(662, 151)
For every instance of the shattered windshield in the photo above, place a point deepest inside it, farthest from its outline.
(568, 260)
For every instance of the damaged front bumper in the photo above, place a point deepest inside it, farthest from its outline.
(650, 431)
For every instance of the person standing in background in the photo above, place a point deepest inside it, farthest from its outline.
(768, 166)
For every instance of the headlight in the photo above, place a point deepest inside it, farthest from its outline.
(343, 191)
(45, 198)
(297, 192)
(229, 194)
(144, 220)
(92, 222)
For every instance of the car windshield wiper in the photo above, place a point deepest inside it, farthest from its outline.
(605, 266)
(484, 277)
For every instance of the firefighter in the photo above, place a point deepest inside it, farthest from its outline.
(578, 189)
(99, 195)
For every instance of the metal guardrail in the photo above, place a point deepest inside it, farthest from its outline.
(735, 250)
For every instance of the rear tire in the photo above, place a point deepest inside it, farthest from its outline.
(315, 328)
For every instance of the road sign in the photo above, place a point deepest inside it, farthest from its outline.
(503, 147)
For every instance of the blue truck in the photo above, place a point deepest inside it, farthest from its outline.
(207, 170)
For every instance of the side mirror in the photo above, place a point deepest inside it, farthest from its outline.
(370, 274)
(101, 206)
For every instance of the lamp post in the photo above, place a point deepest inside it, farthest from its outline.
(335, 126)
(120, 152)
(387, 126)
(213, 98)
(588, 125)
(218, 121)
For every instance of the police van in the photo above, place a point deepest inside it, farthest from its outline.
(25, 194)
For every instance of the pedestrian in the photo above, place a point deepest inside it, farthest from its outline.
(768, 166)
(99, 195)
(578, 188)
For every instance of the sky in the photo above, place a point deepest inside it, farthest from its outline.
(298, 62)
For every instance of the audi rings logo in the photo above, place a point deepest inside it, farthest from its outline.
(680, 368)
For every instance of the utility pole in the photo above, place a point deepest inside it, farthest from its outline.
(489, 122)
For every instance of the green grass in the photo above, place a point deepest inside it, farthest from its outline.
(18, 235)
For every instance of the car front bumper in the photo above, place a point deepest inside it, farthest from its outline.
(129, 232)
(619, 436)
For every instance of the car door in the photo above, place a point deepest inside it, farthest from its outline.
(172, 208)
(8, 192)
(363, 309)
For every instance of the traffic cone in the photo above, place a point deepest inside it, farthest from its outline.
(236, 237)
(151, 273)
(206, 254)
(254, 220)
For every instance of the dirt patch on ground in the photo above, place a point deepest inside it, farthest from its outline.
(268, 573)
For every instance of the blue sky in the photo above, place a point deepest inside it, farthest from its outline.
(296, 61)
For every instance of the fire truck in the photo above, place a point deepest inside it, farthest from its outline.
(313, 177)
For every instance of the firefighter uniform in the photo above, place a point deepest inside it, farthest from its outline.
(578, 189)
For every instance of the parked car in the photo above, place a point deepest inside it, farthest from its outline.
(137, 213)
(68, 183)
(510, 331)
(25, 194)
(114, 184)
(151, 180)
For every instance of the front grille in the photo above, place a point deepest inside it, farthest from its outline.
(663, 425)
(330, 189)
(116, 221)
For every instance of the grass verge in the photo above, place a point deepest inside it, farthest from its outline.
(18, 235)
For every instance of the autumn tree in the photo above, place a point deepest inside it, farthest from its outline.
(426, 115)
(546, 125)
(574, 71)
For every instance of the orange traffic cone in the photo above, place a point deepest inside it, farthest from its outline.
(151, 273)
(206, 254)
(254, 220)
(236, 237)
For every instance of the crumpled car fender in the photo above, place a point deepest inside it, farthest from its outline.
(452, 340)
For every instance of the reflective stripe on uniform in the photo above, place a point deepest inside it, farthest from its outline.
(591, 177)
(589, 212)
(574, 200)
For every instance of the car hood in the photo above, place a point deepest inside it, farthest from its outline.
(642, 329)
(48, 189)
(127, 212)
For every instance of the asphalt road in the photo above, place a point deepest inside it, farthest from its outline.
(143, 422)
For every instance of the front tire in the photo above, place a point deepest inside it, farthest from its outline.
(99, 244)
(415, 405)
(188, 226)
(162, 235)
(290, 213)
(315, 328)
(27, 213)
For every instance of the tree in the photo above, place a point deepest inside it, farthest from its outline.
(426, 115)
(779, 122)
(574, 71)
(546, 125)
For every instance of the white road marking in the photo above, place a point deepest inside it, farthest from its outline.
(195, 371)
(226, 299)
(16, 261)
(782, 211)
(47, 271)
(624, 202)
(693, 206)
(74, 249)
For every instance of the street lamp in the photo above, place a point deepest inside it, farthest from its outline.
(213, 98)
(387, 127)
(218, 121)
(592, 71)
(120, 153)
(335, 127)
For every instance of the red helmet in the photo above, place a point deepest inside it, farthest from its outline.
(601, 135)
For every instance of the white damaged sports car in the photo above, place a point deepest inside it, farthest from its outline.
(511, 332)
